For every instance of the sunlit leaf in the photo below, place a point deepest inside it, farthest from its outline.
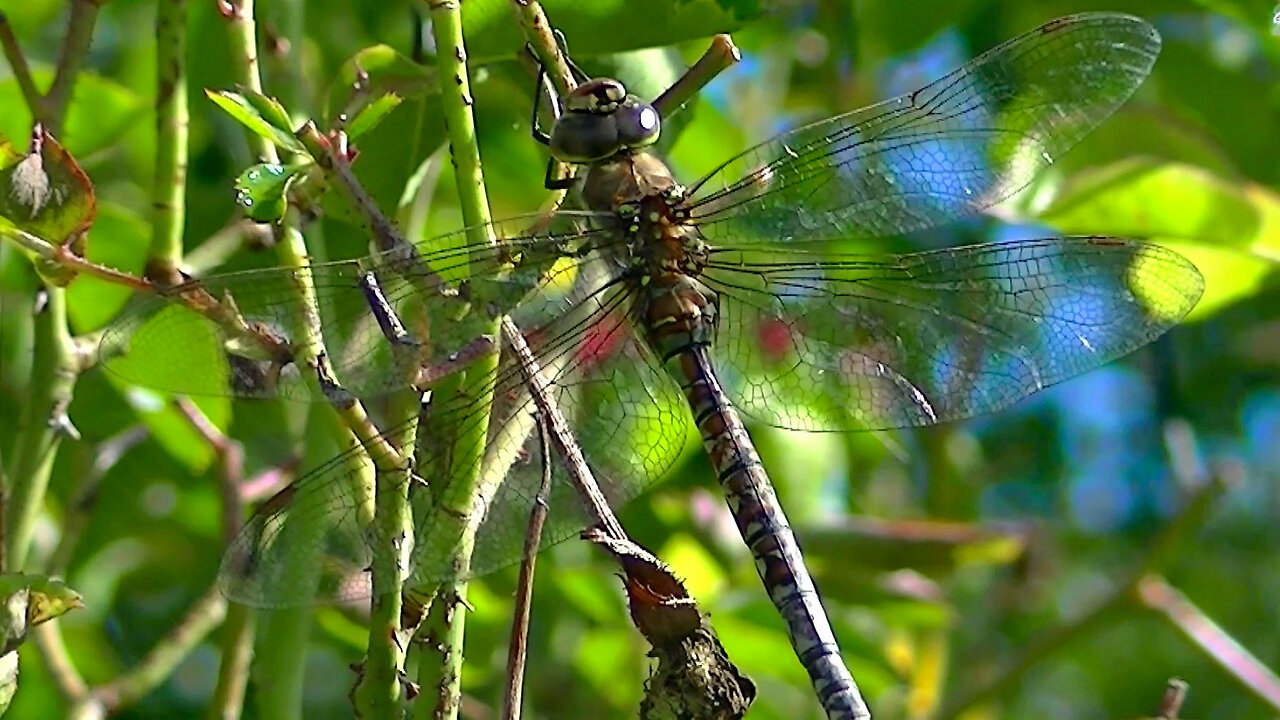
(372, 114)
(248, 114)
(1141, 197)
(695, 567)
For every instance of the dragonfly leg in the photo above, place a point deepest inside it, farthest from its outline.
(543, 85)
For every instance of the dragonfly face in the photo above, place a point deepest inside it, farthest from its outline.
(601, 120)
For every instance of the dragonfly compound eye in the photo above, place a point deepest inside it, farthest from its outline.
(638, 123)
(585, 138)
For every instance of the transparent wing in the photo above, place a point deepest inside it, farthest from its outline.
(311, 542)
(244, 341)
(627, 414)
(822, 342)
(959, 145)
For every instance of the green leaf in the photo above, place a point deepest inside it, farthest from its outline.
(261, 190)
(1143, 197)
(372, 114)
(1230, 231)
(388, 72)
(46, 193)
(269, 108)
(248, 114)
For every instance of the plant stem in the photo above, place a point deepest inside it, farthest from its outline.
(465, 471)
(233, 672)
(168, 192)
(57, 662)
(378, 692)
(53, 377)
(18, 63)
(53, 108)
(243, 35)
(537, 32)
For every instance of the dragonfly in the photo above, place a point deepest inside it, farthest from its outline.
(661, 308)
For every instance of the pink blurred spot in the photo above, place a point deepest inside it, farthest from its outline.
(775, 339)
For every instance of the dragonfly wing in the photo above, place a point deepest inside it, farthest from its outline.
(959, 145)
(627, 415)
(309, 543)
(822, 342)
(244, 341)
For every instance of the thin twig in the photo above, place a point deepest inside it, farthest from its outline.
(1246, 669)
(80, 508)
(539, 35)
(57, 662)
(84, 14)
(238, 627)
(518, 647)
(158, 664)
(18, 63)
(579, 472)
(721, 55)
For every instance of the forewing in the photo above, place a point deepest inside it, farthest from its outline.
(959, 145)
(821, 342)
(161, 342)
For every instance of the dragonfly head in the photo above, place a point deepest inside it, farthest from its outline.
(601, 119)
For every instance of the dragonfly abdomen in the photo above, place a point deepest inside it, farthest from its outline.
(679, 313)
(765, 530)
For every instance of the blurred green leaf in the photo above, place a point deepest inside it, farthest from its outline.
(694, 566)
(101, 111)
(1141, 197)
(372, 114)
(380, 70)
(119, 239)
(249, 114)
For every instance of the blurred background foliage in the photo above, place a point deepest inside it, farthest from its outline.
(943, 554)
